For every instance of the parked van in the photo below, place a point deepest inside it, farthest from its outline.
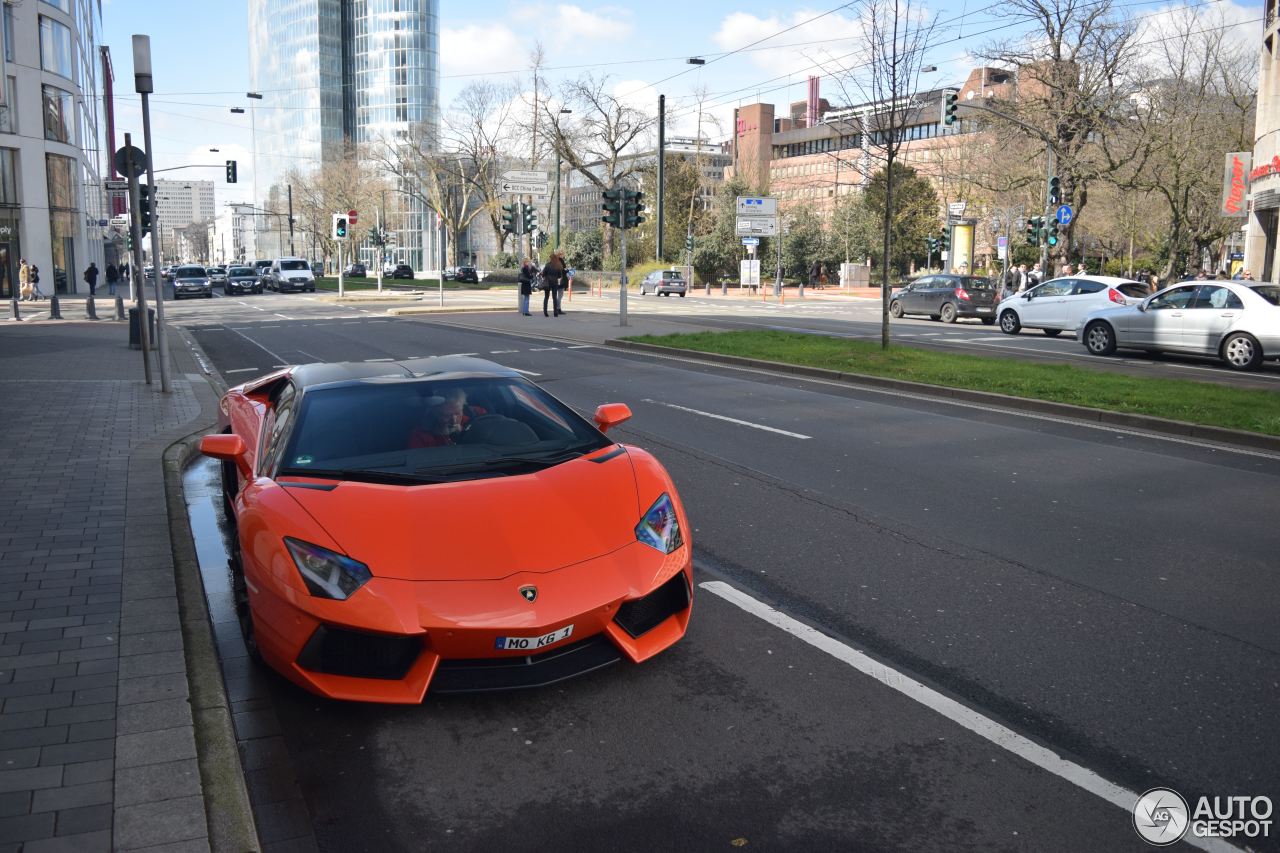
(292, 274)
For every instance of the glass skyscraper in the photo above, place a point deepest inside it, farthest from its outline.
(335, 72)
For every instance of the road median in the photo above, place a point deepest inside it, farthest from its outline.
(1197, 410)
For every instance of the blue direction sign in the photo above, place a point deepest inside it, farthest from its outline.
(1063, 215)
(751, 241)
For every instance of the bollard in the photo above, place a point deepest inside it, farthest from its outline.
(55, 310)
(90, 310)
(708, 285)
(802, 288)
(119, 307)
(17, 312)
(724, 287)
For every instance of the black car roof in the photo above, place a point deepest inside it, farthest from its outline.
(309, 376)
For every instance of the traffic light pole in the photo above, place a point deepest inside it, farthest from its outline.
(622, 286)
(135, 230)
(1050, 167)
(144, 87)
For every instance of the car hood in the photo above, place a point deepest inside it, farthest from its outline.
(481, 529)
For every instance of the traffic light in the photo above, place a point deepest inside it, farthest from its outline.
(944, 240)
(529, 218)
(931, 243)
(144, 210)
(1055, 191)
(1053, 232)
(1033, 230)
(632, 201)
(612, 205)
(339, 226)
(688, 243)
(950, 106)
(231, 171)
(510, 218)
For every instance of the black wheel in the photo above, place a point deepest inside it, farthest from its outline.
(1100, 338)
(1051, 333)
(240, 598)
(311, 290)
(209, 295)
(933, 316)
(682, 296)
(1009, 322)
(948, 314)
(988, 321)
(1242, 351)
(895, 310)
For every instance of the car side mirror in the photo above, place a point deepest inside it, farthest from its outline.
(611, 414)
(229, 448)
(1028, 294)
(1144, 304)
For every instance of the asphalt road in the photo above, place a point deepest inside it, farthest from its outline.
(1106, 594)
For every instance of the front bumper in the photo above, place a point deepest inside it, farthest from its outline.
(192, 290)
(395, 639)
(241, 286)
(299, 284)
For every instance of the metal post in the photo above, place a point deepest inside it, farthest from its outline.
(557, 199)
(622, 281)
(382, 244)
(161, 348)
(292, 254)
(1050, 165)
(341, 289)
(777, 285)
(135, 228)
(662, 156)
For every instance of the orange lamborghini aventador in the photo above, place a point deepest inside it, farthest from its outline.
(443, 524)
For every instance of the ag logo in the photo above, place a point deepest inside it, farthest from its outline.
(529, 593)
(1160, 816)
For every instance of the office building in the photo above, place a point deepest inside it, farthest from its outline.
(51, 147)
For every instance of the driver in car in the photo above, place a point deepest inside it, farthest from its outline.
(441, 422)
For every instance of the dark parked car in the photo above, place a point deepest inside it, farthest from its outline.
(317, 268)
(263, 269)
(946, 297)
(450, 273)
(402, 271)
(355, 271)
(241, 279)
(467, 274)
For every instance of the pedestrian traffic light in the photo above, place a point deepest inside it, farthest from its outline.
(944, 240)
(632, 202)
(528, 218)
(231, 171)
(339, 226)
(144, 210)
(1055, 191)
(612, 205)
(931, 243)
(510, 218)
(688, 243)
(950, 106)
(1033, 230)
(1053, 232)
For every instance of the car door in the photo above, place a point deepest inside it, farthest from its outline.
(1160, 326)
(907, 294)
(1045, 307)
(936, 291)
(1085, 296)
(1213, 310)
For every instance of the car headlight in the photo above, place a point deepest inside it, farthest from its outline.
(327, 574)
(659, 527)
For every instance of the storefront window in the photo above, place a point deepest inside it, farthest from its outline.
(62, 219)
(55, 47)
(59, 115)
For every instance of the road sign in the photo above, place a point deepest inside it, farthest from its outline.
(117, 185)
(751, 241)
(757, 206)
(1063, 214)
(749, 273)
(524, 187)
(763, 226)
(139, 161)
(955, 209)
(524, 176)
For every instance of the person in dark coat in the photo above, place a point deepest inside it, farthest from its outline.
(113, 277)
(91, 278)
(527, 273)
(553, 283)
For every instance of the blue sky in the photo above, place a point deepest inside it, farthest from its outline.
(200, 59)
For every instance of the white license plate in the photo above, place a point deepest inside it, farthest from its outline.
(982, 310)
(529, 643)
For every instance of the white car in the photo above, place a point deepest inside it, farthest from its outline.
(1060, 304)
(291, 274)
(1229, 320)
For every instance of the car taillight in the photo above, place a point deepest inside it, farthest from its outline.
(961, 293)
(1116, 297)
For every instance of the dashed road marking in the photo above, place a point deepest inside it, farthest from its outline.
(729, 419)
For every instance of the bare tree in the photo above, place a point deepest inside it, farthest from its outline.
(479, 128)
(897, 34)
(338, 186)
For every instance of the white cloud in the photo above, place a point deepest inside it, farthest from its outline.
(565, 22)
(1170, 30)
(481, 48)
(827, 41)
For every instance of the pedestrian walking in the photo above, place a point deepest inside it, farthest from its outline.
(1246, 276)
(91, 278)
(1035, 276)
(527, 273)
(1066, 270)
(552, 283)
(24, 280)
(34, 275)
(113, 276)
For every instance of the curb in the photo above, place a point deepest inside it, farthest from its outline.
(1164, 426)
(475, 310)
(226, 795)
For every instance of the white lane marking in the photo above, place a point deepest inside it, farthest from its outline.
(968, 718)
(258, 345)
(269, 326)
(727, 418)
(581, 346)
(240, 370)
(543, 349)
(526, 372)
(502, 351)
(283, 317)
(375, 359)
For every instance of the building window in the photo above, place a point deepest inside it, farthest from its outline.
(59, 115)
(61, 172)
(8, 33)
(64, 5)
(9, 110)
(55, 47)
(8, 177)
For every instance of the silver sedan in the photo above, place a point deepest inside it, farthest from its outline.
(1225, 319)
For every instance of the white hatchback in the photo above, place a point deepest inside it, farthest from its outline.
(1058, 305)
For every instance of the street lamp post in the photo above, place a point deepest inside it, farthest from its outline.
(144, 86)
(562, 112)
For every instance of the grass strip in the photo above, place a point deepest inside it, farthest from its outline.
(1177, 399)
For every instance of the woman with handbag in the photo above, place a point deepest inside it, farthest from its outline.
(24, 280)
(553, 283)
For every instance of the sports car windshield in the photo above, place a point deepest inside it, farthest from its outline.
(431, 430)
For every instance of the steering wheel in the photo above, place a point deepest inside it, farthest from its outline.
(479, 419)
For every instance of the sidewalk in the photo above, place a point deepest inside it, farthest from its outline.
(98, 750)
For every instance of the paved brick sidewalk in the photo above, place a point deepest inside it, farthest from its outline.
(97, 747)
